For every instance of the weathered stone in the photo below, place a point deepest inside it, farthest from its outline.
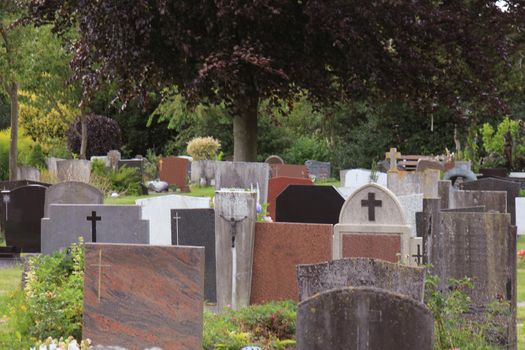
(321, 170)
(411, 204)
(203, 169)
(285, 245)
(27, 173)
(74, 170)
(243, 175)
(404, 183)
(363, 318)
(157, 210)
(235, 217)
(494, 172)
(72, 192)
(361, 272)
(174, 170)
(278, 184)
(113, 157)
(51, 163)
(289, 170)
(359, 177)
(426, 164)
(139, 296)
(274, 160)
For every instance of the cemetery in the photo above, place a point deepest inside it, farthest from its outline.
(262, 175)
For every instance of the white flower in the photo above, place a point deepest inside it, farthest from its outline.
(73, 345)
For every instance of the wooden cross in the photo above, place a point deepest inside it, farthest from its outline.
(418, 256)
(177, 218)
(94, 218)
(371, 203)
(100, 266)
(393, 155)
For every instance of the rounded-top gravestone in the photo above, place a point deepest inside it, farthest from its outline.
(72, 192)
(273, 159)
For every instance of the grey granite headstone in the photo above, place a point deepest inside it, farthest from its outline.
(363, 318)
(27, 173)
(491, 184)
(196, 227)
(404, 183)
(452, 199)
(203, 169)
(321, 170)
(113, 157)
(51, 163)
(243, 175)
(74, 170)
(235, 217)
(111, 224)
(72, 192)
(361, 272)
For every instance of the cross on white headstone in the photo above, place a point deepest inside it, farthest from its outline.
(177, 218)
(393, 155)
(371, 203)
(100, 266)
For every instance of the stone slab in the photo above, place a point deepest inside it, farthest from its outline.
(196, 227)
(360, 177)
(243, 175)
(27, 173)
(138, 296)
(74, 170)
(279, 247)
(289, 170)
(174, 170)
(520, 215)
(452, 199)
(321, 170)
(411, 204)
(361, 272)
(309, 204)
(203, 169)
(115, 224)
(377, 246)
(426, 164)
(72, 192)
(404, 183)
(157, 210)
(277, 184)
(363, 318)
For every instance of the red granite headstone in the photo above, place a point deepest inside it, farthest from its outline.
(279, 247)
(277, 184)
(174, 171)
(378, 246)
(142, 296)
(290, 170)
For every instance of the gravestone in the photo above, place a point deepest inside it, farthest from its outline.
(452, 198)
(174, 170)
(203, 172)
(11, 185)
(361, 272)
(356, 178)
(95, 223)
(342, 176)
(27, 173)
(308, 204)
(520, 215)
(363, 318)
(372, 224)
(140, 296)
(72, 192)
(289, 170)
(411, 204)
(74, 170)
(494, 172)
(235, 218)
(491, 184)
(157, 210)
(243, 175)
(113, 158)
(405, 183)
(134, 164)
(285, 245)
(51, 163)
(321, 170)
(277, 184)
(23, 208)
(196, 227)
(274, 160)
(427, 164)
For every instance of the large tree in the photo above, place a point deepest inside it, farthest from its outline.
(240, 52)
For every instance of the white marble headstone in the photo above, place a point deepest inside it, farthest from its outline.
(356, 178)
(520, 215)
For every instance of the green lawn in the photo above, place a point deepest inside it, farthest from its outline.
(195, 191)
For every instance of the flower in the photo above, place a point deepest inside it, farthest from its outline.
(258, 208)
(521, 254)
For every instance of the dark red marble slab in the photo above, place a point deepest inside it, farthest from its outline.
(141, 296)
(377, 246)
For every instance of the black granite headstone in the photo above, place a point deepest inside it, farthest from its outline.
(309, 204)
(23, 208)
(133, 163)
(196, 227)
(492, 184)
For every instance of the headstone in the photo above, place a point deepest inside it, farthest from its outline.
(359, 177)
(491, 184)
(405, 183)
(243, 175)
(277, 184)
(361, 272)
(274, 160)
(309, 204)
(11, 185)
(235, 218)
(452, 199)
(174, 170)
(140, 296)
(72, 192)
(113, 158)
(23, 208)
(372, 224)
(74, 170)
(135, 164)
(520, 215)
(392, 157)
(427, 164)
(494, 172)
(346, 191)
(95, 223)
(51, 163)
(411, 204)
(321, 170)
(363, 318)
(289, 170)
(285, 245)
(27, 173)
(203, 170)
(196, 227)
(342, 176)
(157, 210)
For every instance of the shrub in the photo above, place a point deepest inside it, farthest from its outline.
(494, 143)
(124, 180)
(203, 148)
(37, 157)
(24, 150)
(104, 135)
(305, 148)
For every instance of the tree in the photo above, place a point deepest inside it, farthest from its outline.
(240, 52)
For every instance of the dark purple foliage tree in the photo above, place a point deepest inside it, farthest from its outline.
(103, 135)
(421, 51)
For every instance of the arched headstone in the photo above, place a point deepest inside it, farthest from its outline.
(273, 159)
(72, 192)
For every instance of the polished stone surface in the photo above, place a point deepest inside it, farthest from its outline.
(72, 192)
(290, 170)
(174, 170)
(277, 184)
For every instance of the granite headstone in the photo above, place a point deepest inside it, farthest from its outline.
(243, 175)
(74, 170)
(277, 184)
(174, 170)
(321, 170)
(72, 192)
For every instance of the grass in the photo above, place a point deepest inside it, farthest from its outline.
(195, 191)
(10, 281)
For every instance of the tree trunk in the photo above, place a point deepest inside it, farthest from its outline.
(83, 136)
(245, 129)
(13, 150)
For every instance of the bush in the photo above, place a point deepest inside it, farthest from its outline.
(37, 157)
(124, 180)
(25, 145)
(203, 148)
(104, 135)
(305, 148)
(494, 143)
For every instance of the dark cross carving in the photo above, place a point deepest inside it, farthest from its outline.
(233, 227)
(371, 203)
(94, 218)
(418, 256)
